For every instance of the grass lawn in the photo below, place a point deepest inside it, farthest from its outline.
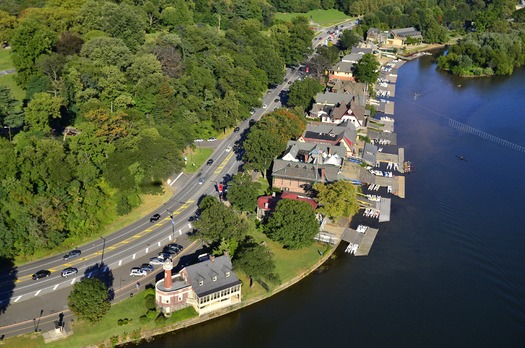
(85, 334)
(9, 81)
(324, 18)
(5, 60)
(196, 156)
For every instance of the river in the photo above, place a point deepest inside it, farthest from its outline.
(449, 269)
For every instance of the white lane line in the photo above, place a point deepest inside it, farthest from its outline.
(120, 263)
(176, 179)
(134, 255)
(147, 250)
(73, 281)
(55, 287)
(158, 243)
(169, 238)
(18, 298)
(38, 292)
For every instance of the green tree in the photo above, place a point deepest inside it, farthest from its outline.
(243, 192)
(218, 222)
(107, 51)
(7, 104)
(293, 224)
(336, 200)
(349, 39)
(256, 261)
(302, 92)
(367, 69)
(89, 299)
(41, 110)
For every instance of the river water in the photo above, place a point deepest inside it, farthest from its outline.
(449, 269)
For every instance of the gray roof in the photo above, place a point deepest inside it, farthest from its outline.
(304, 171)
(377, 135)
(328, 98)
(344, 66)
(406, 32)
(313, 148)
(362, 50)
(218, 268)
(369, 153)
(331, 133)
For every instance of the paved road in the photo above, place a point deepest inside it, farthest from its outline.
(36, 304)
(7, 72)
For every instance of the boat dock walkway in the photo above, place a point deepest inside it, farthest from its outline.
(363, 241)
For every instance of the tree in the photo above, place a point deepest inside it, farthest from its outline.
(219, 222)
(107, 51)
(89, 299)
(302, 92)
(256, 261)
(336, 200)
(293, 224)
(367, 69)
(41, 110)
(243, 192)
(7, 104)
(349, 39)
(261, 147)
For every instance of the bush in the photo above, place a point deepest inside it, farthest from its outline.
(144, 319)
(149, 301)
(120, 322)
(113, 340)
(152, 314)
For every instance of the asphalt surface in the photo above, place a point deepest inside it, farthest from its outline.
(38, 305)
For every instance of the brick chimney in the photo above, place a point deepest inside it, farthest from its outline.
(321, 170)
(167, 266)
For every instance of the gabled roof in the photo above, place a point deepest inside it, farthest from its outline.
(296, 147)
(328, 98)
(351, 58)
(331, 133)
(304, 171)
(268, 203)
(344, 66)
(369, 153)
(406, 32)
(215, 274)
(362, 51)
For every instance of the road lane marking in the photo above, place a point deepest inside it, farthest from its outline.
(38, 292)
(223, 163)
(73, 281)
(18, 298)
(147, 249)
(120, 263)
(55, 287)
(134, 256)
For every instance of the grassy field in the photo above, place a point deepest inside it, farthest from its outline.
(196, 156)
(324, 18)
(5, 60)
(17, 92)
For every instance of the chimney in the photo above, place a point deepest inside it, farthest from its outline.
(266, 205)
(167, 266)
(329, 149)
(306, 158)
(322, 174)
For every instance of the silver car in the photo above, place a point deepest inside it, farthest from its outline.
(69, 271)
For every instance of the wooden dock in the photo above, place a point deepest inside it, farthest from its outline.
(363, 240)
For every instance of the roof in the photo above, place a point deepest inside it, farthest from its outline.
(333, 134)
(215, 274)
(296, 147)
(344, 66)
(269, 203)
(328, 98)
(406, 32)
(304, 171)
(362, 50)
(369, 153)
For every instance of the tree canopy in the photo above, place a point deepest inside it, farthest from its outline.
(256, 261)
(337, 199)
(243, 192)
(293, 224)
(89, 299)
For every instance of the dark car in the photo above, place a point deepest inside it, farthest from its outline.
(236, 129)
(210, 162)
(154, 218)
(177, 248)
(72, 254)
(41, 274)
(277, 100)
(252, 122)
(69, 271)
(166, 255)
(147, 267)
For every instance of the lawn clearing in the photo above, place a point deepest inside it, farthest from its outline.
(324, 18)
(9, 81)
(5, 60)
(196, 158)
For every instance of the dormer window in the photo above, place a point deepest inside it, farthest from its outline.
(201, 283)
(228, 274)
(214, 278)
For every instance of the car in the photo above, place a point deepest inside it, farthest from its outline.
(44, 273)
(174, 247)
(69, 271)
(72, 254)
(154, 217)
(236, 130)
(165, 255)
(202, 180)
(210, 162)
(198, 140)
(147, 267)
(228, 149)
(277, 100)
(156, 260)
(285, 80)
(289, 82)
(137, 272)
(264, 106)
(252, 111)
(212, 139)
(252, 122)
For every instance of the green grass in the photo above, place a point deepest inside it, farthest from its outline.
(196, 156)
(324, 18)
(86, 334)
(5, 60)
(9, 81)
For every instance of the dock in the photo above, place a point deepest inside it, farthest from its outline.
(363, 241)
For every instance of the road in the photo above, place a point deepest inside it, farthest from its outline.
(31, 305)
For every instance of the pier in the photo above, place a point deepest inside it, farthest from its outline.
(359, 243)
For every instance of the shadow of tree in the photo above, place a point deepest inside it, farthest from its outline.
(8, 278)
(102, 272)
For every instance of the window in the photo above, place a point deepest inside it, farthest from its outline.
(201, 283)
(180, 297)
(214, 278)
(227, 274)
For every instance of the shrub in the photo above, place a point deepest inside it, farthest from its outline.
(149, 301)
(120, 322)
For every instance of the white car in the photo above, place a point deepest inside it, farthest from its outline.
(137, 272)
(228, 149)
(69, 271)
(212, 139)
(198, 140)
(264, 106)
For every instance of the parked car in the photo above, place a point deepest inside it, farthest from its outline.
(264, 106)
(177, 248)
(202, 180)
(41, 274)
(137, 272)
(198, 140)
(147, 267)
(228, 149)
(72, 254)
(252, 122)
(69, 271)
(277, 100)
(210, 162)
(212, 139)
(154, 217)
(236, 130)
(156, 260)
(289, 82)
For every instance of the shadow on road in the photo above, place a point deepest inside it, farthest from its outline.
(8, 277)
(102, 272)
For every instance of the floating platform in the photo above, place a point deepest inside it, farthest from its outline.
(363, 240)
